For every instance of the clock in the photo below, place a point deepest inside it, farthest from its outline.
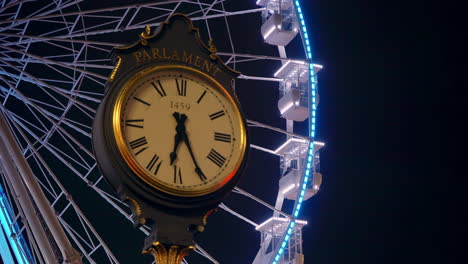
(174, 132)
(169, 135)
(179, 130)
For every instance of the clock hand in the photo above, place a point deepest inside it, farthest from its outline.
(181, 135)
(197, 169)
(180, 129)
(173, 155)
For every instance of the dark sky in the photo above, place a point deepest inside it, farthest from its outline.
(391, 113)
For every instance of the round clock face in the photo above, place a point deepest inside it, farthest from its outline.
(179, 130)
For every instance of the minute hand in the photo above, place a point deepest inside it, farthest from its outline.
(197, 169)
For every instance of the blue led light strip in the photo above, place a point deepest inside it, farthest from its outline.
(310, 156)
(17, 243)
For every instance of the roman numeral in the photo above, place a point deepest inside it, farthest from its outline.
(201, 97)
(134, 123)
(153, 162)
(141, 101)
(222, 137)
(177, 175)
(181, 87)
(217, 114)
(159, 88)
(137, 143)
(216, 158)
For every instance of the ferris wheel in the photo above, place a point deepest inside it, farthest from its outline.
(55, 205)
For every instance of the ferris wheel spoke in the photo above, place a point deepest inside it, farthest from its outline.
(103, 12)
(79, 238)
(80, 127)
(205, 11)
(42, 130)
(113, 201)
(74, 93)
(19, 125)
(63, 30)
(43, 167)
(260, 201)
(23, 39)
(106, 27)
(40, 84)
(48, 62)
(66, 136)
(259, 78)
(92, 11)
(5, 16)
(48, 115)
(28, 106)
(264, 149)
(204, 253)
(43, 106)
(44, 11)
(19, 78)
(259, 57)
(231, 43)
(110, 196)
(229, 210)
(156, 19)
(39, 104)
(118, 205)
(12, 4)
(86, 236)
(73, 65)
(44, 181)
(76, 240)
(258, 124)
(72, 149)
(234, 60)
(168, 12)
(75, 125)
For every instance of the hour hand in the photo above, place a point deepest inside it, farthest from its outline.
(176, 115)
(180, 118)
(180, 133)
(177, 139)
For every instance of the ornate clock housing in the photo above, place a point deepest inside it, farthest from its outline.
(169, 134)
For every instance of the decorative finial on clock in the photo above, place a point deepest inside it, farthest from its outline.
(147, 31)
(168, 254)
(145, 34)
(212, 49)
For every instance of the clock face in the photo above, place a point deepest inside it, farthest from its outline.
(179, 130)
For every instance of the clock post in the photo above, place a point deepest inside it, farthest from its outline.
(169, 135)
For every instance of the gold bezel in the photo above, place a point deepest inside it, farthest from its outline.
(128, 157)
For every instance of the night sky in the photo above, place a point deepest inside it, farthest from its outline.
(390, 113)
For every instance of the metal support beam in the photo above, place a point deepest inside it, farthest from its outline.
(24, 200)
(260, 201)
(258, 124)
(70, 255)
